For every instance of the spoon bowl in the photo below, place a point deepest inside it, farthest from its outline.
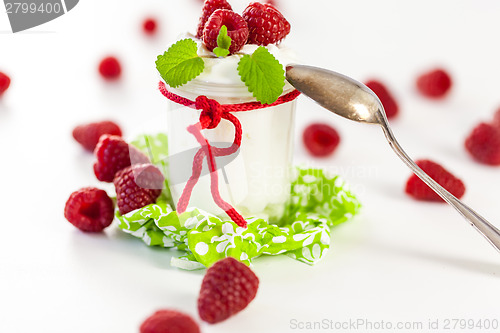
(351, 99)
(336, 92)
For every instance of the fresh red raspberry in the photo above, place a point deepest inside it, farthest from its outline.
(114, 154)
(110, 68)
(4, 83)
(420, 191)
(227, 288)
(320, 139)
(483, 143)
(434, 84)
(390, 106)
(236, 29)
(266, 25)
(169, 321)
(137, 186)
(149, 26)
(209, 7)
(88, 134)
(89, 209)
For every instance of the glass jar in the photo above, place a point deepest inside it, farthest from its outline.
(256, 179)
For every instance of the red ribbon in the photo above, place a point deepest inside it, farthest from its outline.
(211, 115)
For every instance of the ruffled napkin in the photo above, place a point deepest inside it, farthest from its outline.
(318, 202)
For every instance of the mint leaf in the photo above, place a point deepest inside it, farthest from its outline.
(263, 75)
(180, 63)
(220, 52)
(223, 43)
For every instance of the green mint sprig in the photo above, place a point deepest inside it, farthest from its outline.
(263, 74)
(223, 43)
(180, 63)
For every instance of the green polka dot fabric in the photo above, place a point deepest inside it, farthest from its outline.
(156, 147)
(318, 202)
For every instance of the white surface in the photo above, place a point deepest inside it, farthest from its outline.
(400, 260)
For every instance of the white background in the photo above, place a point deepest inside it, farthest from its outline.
(400, 260)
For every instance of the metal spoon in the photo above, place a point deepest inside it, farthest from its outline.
(353, 100)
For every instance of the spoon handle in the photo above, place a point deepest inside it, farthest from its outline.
(485, 228)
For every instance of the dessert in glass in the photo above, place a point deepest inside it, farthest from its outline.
(255, 178)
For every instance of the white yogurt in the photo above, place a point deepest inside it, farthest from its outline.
(224, 70)
(258, 179)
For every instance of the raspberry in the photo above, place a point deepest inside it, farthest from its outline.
(89, 209)
(4, 83)
(236, 29)
(88, 134)
(420, 191)
(320, 139)
(434, 84)
(209, 7)
(137, 186)
(114, 154)
(266, 25)
(149, 26)
(110, 68)
(390, 106)
(483, 143)
(227, 288)
(169, 321)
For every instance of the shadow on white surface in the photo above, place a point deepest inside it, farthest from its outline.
(476, 266)
(4, 106)
(116, 248)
